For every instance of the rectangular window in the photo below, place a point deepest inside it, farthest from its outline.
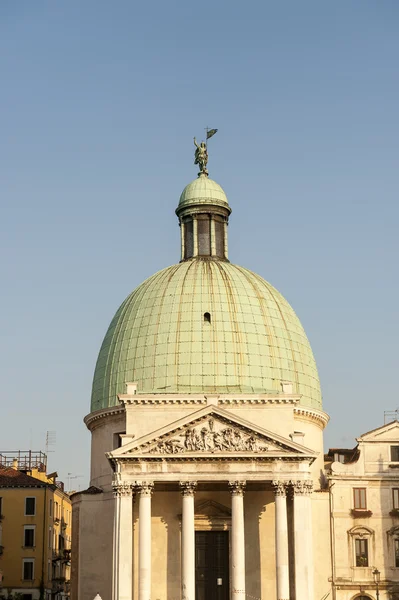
(359, 498)
(26, 596)
(28, 569)
(30, 507)
(204, 237)
(395, 453)
(29, 536)
(1, 506)
(51, 507)
(49, 570)
(362, 553)
(219, 235)
(188, 239)
(395, 497)
(50, 537)
(396, 553)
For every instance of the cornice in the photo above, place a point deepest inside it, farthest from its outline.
(93, 420)
(204, 399)
(311, 414)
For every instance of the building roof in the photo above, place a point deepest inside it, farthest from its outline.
(13, 478)
(205, 326)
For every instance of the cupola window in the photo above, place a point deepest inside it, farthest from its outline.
(188, 239)
(204, 236)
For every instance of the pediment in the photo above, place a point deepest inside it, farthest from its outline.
(212, 510)
(385, 433)
(211, 431)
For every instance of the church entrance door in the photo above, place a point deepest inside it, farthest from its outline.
(212, 565)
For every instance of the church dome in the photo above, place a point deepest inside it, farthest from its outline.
(205, 326)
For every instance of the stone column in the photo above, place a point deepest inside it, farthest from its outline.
(282, 564)
(188, 541)
(303, 542)
(183, 239)
(195, 236)
(122, 542)
(213, 236)
(145, 491)
(226, 246)
(237, 489)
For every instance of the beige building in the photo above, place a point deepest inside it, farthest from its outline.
(208, 479)
(364, 486)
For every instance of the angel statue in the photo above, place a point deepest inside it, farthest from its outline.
(201, 157)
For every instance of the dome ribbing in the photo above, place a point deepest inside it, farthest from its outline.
(161, 338)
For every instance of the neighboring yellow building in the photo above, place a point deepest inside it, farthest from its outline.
(35, 529)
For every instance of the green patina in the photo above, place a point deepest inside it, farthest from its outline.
(205, 326)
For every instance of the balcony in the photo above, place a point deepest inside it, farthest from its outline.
(57, 520)
(1, 550)
(361, 513)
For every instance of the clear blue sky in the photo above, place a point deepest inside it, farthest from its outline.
(98, 106)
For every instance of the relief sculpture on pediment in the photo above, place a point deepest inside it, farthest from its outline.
(210, 438)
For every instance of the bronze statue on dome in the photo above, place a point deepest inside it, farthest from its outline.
(201, 152)
(201, 157)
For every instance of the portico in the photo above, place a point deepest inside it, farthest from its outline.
(206, 452)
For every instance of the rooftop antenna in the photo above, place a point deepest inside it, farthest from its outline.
(391, 415)
(71, 476)
(50, 440)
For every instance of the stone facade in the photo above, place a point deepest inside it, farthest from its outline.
(248, 465)
(364, 485)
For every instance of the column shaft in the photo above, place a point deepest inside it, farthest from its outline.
(183, 240)
(188, 542)
(304, 569)
(226, 245)
(195, 236)
(123, 543)
(282, 564)
(213, 236)
(237, 540)
(145, 491)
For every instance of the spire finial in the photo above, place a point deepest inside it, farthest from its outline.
(201, 153)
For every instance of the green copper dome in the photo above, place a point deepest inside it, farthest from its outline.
(205, 325)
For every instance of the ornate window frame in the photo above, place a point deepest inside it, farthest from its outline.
(361, 532)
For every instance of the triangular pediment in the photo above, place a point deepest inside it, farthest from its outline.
(211, 431)
(212, 510)
(385, 433)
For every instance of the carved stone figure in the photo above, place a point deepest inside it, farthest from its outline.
(210, 439)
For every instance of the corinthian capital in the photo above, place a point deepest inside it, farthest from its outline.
(144, 488)
(188, 487)
(237, 488)
(302, 487)
(121, 489)
(280, 488)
